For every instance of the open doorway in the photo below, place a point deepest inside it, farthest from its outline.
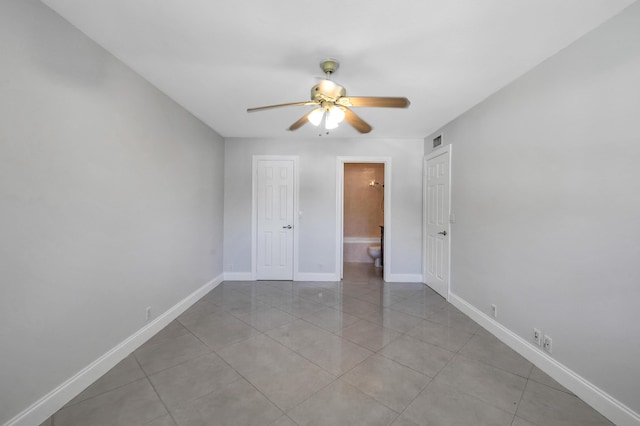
(363, 217)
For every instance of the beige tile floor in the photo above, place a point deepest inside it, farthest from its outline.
(356, 352)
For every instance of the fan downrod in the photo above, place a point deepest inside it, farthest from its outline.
(329, 66)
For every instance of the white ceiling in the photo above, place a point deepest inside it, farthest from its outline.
(218, 58)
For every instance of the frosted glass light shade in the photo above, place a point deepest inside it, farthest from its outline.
(315, 117)
(329, 123)
(336, 114)
(333, 117)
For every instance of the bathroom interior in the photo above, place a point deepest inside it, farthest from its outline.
(364, 215)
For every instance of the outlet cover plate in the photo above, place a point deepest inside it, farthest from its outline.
(537, 337)
(547, 343)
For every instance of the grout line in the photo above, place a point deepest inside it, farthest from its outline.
(415, 397)
(520, 400)
(237, 372)
(180, 363)
(155, 390)
(106, 391)
(331, 373)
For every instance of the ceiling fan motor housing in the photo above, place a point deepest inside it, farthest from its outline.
(323, 91)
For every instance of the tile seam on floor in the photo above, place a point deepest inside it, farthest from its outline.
(475, 397)
(102, 394)
(154, 388)
(495, 366)
(284, 415)
(313, 362)
(241, 377)
(520, 399)
(415, 397)
(376, 399)
(164, 404)
(310, 396)
(68, 404)
(428, 383)
(268, 307)
(411, 368)
(353, 386)
(435, 344)
(438, 373)
(295, 352)
(230, 366)
(174, 365)
(336, 335)
(376, 324)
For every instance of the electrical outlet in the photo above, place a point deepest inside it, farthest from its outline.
(537, 337)
(494, 311)
(148, 313)
(547, 343)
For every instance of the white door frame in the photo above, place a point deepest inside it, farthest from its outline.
(340, 162)
(254, 209)
(433, 154)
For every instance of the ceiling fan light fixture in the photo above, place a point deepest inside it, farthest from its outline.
(330, 124)
(337, 114)
(334, 116)
(316, 116)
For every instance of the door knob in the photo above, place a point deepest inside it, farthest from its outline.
(443, 233)
(287, 227)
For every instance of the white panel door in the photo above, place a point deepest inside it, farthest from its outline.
(275, 220)
(437, 223)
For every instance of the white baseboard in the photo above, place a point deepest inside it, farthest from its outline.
(404, 278)
(607, 405)
(239, 276)
(42, 409)
(300, 276)
(316, 276)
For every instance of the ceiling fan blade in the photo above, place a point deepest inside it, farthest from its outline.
(373, 101)
(281, 105)
(358, 123)
(301, 121)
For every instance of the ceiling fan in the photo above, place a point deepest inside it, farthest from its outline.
(333, 105)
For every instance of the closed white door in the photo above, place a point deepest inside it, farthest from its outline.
(275, 220)
(436, 268)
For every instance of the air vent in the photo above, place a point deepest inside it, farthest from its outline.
(437, 141)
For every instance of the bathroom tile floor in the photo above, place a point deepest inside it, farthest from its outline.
(356, 352)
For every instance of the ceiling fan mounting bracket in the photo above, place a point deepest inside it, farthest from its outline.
(329, 66)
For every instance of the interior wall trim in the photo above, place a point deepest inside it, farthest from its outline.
(600, 400)
(239, 276)
(404, 278)
(316, 276)
(361, 240)
(42, 409)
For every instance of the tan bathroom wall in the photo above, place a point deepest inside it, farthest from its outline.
(363, 213)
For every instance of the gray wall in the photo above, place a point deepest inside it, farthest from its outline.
(110, 201)
(546, 192)
(317, 226)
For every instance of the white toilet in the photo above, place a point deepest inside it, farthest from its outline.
(374, 252)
